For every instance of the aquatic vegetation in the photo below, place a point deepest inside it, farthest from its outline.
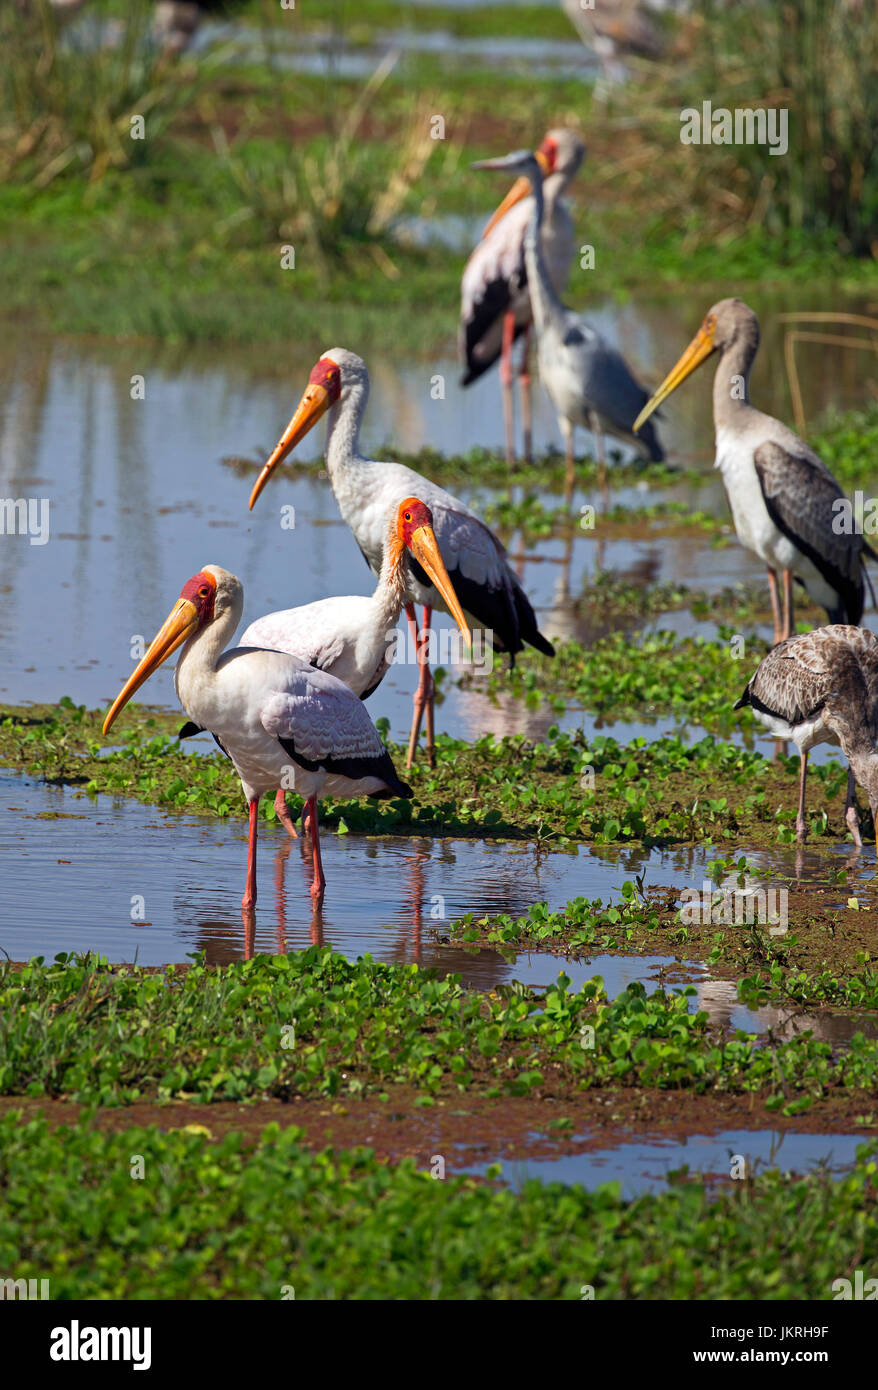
(312, 1023)
(696, 677)
(274, 1220)
(562, 790)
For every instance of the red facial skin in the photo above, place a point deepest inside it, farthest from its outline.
(200, 591)
(328, 375)
(550, 150)
(413, 514)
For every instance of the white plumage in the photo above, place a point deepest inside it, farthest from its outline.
(495, 296)
(785, 503)
(368, 492)
(281, 721)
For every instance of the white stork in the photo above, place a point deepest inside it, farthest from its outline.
(822, 687)
(588, 380)
(366, 491)
(786, 505)
(495, 307)
(279, 720)
(352, 637)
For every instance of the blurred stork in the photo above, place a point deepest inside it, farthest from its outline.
(787, 507)
(486, 586)
(281, 721)
(352, 637)
(822, 687)
(588, 380)
(494, 305)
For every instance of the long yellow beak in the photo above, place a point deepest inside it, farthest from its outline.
(519, 190)
(425, 549)
(698, 351)
(314, 403)
(180, 623)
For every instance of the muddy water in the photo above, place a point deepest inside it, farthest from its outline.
(645, 1166)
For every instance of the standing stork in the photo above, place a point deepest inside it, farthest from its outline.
(785, 503)
(352, 637)
(495, 307)
(588, 380)
(486, 586)
(277, 718)
(822, 687)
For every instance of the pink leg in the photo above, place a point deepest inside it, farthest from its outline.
(249, 898)
(775, 607)
(423, 694)
(524, 392)
(282, 811)
(506, 383)
(789, 625)
(318, 887)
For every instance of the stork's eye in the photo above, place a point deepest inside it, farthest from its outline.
(408, 516)
(203, 591)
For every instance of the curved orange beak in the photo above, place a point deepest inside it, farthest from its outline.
(425, 548)
(519, 190)
(180, 623)
(314, 403)
(698, 351)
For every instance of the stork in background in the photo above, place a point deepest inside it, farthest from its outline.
(494, 302)
(488, 590)
(280, 720)
(588, 380)
(784, 500)
(352, 637)
(822, 687)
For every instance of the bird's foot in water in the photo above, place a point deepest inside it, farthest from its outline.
(801, 829)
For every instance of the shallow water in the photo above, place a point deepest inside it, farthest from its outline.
(139, 500)
(130, 881)
(645, 1166)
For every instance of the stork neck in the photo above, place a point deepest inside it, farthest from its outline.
(389, 595)
(544, 302)
(343, 428)
(731, 384)
(200, 655)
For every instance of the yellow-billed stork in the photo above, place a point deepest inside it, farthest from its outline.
(786, 505)
(495, 307)
(588, 380)
(280, 720)
(353, 637)
(485, 584)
